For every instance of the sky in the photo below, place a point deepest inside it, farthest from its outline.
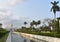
(18, 11)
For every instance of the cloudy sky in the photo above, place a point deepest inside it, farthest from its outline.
(17, 11)
(8, 14)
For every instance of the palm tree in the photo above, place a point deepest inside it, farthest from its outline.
(55, 8)
(38, 22)
(25, 23)
(32, 23)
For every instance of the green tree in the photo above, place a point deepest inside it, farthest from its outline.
(25, 23)
(35, 23)
(32, 23)
(38, 22)
(58, 25)
(55, 8)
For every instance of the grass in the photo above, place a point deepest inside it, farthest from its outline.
(51, 34)
(4, 38)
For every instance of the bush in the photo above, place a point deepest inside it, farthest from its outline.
(51, 34)
(3, 32)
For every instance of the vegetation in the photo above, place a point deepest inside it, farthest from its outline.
(4, 38)
(3, 35)
(37, 32)
(44, 29)
(55, 8)
(52, 29)
(35, 23)
(25, 23)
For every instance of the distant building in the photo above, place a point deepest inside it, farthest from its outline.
(0, 25)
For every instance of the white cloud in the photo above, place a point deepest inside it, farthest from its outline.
(8, 3)
(5, 12)
(15, 17)
(13, 2)
(5, 7)
(16, 23)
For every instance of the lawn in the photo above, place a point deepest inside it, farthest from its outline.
(51, 34)
(4, 38)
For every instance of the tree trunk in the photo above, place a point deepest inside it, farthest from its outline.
(54, 21)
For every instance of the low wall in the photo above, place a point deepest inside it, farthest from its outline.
(45, 38)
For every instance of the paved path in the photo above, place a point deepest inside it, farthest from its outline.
(35, 38)
(16, 38)
(9, 38)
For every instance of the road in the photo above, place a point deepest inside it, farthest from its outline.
(16, 38)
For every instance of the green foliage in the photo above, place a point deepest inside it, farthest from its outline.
(43, 30)
(55, 7)
(3, 32)
(35, 23)
(4, 38)
(37, 32)
(25, 23)
(3, 35)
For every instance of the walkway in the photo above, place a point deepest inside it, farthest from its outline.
(9, 38)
